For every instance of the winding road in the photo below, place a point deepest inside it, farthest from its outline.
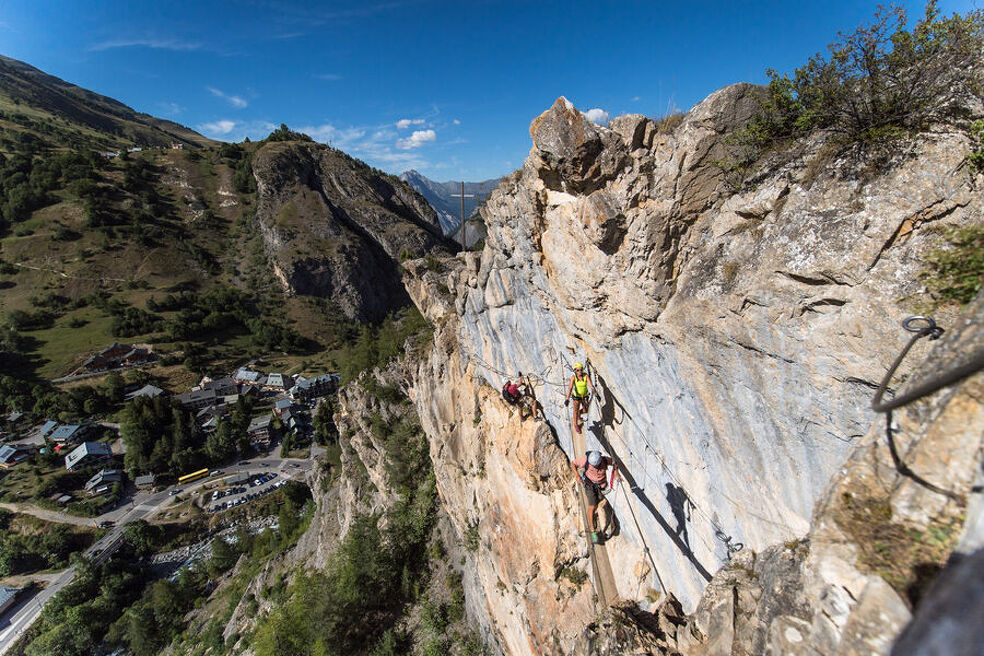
(144, 505)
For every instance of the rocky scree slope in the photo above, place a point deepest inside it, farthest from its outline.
(736, 337)
(337, 229)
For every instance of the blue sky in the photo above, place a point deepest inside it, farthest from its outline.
(448, 88)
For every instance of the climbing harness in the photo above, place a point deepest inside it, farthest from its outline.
(923, 327)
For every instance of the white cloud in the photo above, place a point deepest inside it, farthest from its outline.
(220, 128)
(404, 123)
(157, 44)
(635, 98)
(170, 108)
(338, 137)
(328, 76)
(598, 116)
(417, 139)
(456, 122)
(235, 101)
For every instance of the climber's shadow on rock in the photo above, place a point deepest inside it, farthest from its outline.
(613, 414)
(680, 506)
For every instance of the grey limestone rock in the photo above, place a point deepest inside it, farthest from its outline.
(735, 337)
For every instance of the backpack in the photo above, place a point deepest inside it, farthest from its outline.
(603, 485)
(507, 396)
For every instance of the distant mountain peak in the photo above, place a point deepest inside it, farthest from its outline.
(447, 206)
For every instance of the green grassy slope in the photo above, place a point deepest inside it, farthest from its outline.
(72, 116)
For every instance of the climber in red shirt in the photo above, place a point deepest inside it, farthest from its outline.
(521, 394)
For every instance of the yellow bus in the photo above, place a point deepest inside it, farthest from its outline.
(194, 476)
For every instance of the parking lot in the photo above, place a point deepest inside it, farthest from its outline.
(257, 486)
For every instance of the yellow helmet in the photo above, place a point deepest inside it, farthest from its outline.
(578, 365)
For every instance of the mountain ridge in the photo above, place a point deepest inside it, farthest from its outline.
(90, 119)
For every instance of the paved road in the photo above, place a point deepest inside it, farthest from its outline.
(143, 506)
(29, 609)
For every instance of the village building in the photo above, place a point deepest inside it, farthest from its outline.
(145, 481)
(48, 426)
(11, 455)
(15, 421)
(197, 399)
(221, 387)
(69, 433)
(148, 391)
(294, 420)
(88, 454)
(312, 388)
(103, 482)
(248, 377)
(259, 430)
(8, 597)
(114, 356)
(278, 382)
(136, 356)
(281, 405)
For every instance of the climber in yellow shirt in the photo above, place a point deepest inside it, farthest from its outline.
(578, 389)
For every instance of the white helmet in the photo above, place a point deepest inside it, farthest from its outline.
(594, 458)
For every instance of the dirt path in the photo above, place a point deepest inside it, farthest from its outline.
(47, 515)
(65, 275)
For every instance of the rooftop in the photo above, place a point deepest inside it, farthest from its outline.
(8, 454)
(103, 477)
(7, 593)
(147, 390)
(95, 449)
(260, 423)
(65, 432)
(248, 375)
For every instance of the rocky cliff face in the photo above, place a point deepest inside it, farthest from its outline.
(335, 228)
(880, 535)
(735, 337)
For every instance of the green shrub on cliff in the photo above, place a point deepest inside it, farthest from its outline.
(956, 271)
(879, 82)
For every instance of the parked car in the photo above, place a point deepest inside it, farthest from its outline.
(174, 493)
(107, 523)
